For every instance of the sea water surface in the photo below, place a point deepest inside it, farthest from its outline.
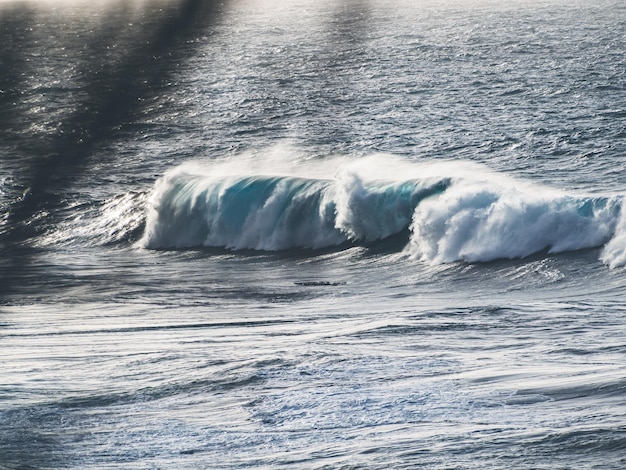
(347, 234)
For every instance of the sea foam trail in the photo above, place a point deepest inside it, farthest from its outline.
(116, 220)
(452, 211)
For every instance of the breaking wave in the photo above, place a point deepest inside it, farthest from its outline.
(451, 211)
(191, 208)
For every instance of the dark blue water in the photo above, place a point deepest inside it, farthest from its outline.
(375, 234)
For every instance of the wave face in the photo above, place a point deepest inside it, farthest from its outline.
(454, 211)
(191, 208)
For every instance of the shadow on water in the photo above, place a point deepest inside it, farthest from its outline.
(113, 88)
(110, 96)
(341, 66)
(16, 38)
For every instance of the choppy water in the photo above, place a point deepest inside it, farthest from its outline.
(373, 234)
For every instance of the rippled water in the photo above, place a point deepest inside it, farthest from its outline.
(417, 337)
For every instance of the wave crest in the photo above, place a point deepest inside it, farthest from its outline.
(451, 211)
(191, 208)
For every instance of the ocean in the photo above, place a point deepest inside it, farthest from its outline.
(312, 234)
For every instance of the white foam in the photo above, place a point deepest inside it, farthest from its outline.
(486, 220)
(278, 198)
(614, 253)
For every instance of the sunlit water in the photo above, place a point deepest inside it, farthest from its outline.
(323, 235)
